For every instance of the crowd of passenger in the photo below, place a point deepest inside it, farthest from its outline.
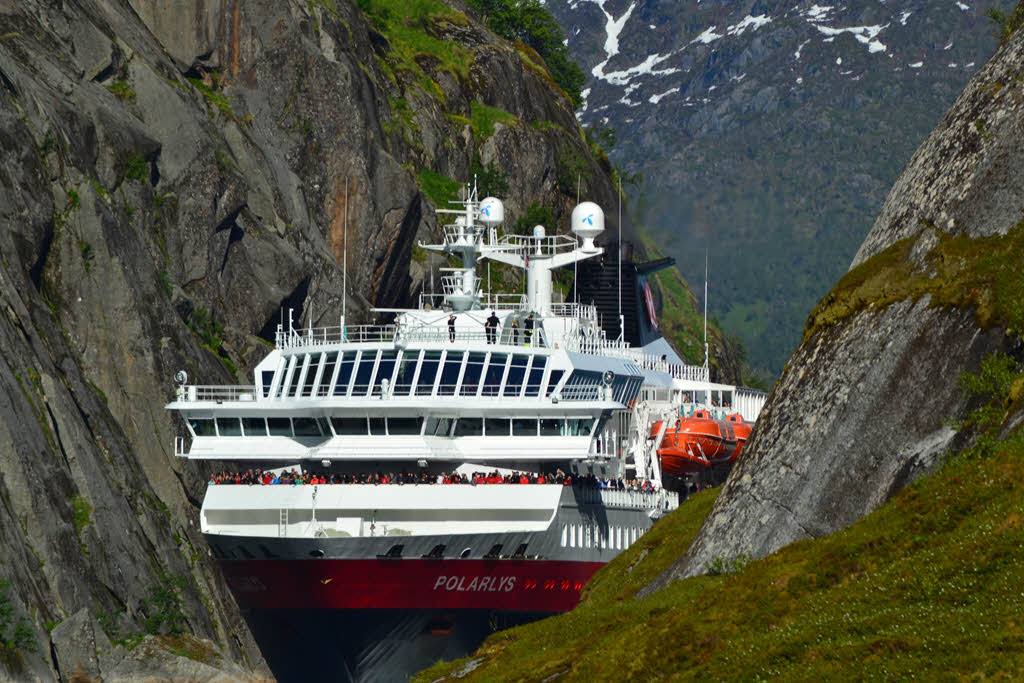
(295, 477)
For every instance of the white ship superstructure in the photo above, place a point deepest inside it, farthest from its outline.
(541, 396)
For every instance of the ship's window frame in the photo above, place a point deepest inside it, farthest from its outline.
(347, 425)
(522, 422)
(551, 426)
(295, 388)
(309, 427)
(378, 425)
(407, 367)
(274, 389)
(232, 423)
(439, 425)
(515, 378)
(430, 361)
(310, 376)
(208, 426)
(251, 422)
(555, 375)
(405, 420)
(494, 374)
(345, 373)
(362, 387)
(326, 374)
(535, 375)
(469, 426)
(266, 382)
(386, 358)
(574, 426)
(491, 426)
(472, 374)
(289, 370)
(451, 364)
(279, 421)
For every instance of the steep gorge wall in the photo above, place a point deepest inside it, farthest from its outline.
(871, 399)
(173, 174)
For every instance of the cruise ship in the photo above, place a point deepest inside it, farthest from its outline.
(482, 451)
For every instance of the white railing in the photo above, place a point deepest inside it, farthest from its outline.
(537, 246)
(322, 336)
(497, 302)
(216, 394)
(579, 393)
(577, 311)
(598, 345)
(636, 500)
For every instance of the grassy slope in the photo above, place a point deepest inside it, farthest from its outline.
(930, 585)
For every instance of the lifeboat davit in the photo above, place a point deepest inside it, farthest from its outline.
(698, 442)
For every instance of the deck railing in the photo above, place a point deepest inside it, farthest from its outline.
(217, 394)
(226, 394)
(323, 336)
(615, 498)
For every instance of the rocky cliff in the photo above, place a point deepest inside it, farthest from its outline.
(874, 396)
(173, 176)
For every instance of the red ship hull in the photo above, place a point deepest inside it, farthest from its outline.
(514, 585)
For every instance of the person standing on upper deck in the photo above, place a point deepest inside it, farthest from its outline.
(491, 327)
(528, 330)
(451, 327)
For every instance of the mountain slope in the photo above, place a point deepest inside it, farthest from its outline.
(173, 176)
(769, 132)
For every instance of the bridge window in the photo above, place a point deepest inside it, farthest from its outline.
(497, 426)
(494, 553)
(516, 376)
(495, 372)
(450, 374)
(306, 426)
(324, 386)
(406, 373)
(201, 426)
(578, 426)
(364, 373)
(439, 426)
(377, 426)
(469, 426)
(471, 377)
(550, 427)
(385, 371)
(254, 426)
(279, 426)
(428, 373)
(266, 380)
(300, 367)
(556, 376)
(229, 426)
(436, 553)
(536, 375)
(348, 361)
(524, 427)
(349, 426)
(405, 426)
(310, 378)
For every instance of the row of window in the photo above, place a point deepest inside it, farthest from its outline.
(390, 426)
(411, 373)
(591, 536)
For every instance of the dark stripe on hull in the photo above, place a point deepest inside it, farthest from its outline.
(514, 585)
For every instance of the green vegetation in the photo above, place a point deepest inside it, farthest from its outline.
(483, 118)
(122, 91)
(15, 636)
(439, 189)
(163, 606)
(136, 168)
(414, 31)
(490, 180)
(97, 187)
(213, 95)
(985, 274)
(88, 254)
(928, 586)
(530, 23)
(81, 514)
(190, 647)
(210, 332)
(535, 214)
(1007, 23)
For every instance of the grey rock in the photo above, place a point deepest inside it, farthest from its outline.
(866, 406)
(74, 645)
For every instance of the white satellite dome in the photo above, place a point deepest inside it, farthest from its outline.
(538, 231)
(492, 212)
(588, 223)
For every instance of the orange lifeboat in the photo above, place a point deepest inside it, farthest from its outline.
(698, 442)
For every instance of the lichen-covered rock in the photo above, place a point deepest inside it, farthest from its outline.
(870, 400)
(173, 175)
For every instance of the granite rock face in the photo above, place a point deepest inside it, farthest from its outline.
(866, 405)
(173, 175)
